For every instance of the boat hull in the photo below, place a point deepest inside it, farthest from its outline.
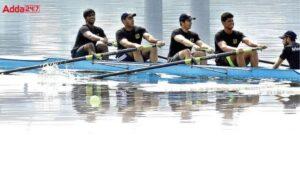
(178, 70)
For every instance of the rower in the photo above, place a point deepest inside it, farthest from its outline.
(185, 43)
(130, 36)
(90, 38)
(228, 40)
(290, 52)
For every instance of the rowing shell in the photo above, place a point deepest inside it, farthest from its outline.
(178, 70)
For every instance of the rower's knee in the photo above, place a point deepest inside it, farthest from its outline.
(251, 53)
(199, 53)
(185, 54)
(153, 49)
(89, 46)
(101, 47)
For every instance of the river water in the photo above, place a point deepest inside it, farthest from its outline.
(56, 121)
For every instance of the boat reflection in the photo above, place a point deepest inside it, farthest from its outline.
(131, 103)
(231, 105)
(290, 103)
(81, 97)
(127, 102)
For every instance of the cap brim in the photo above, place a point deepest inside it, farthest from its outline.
(192, 18)
(282, 37)
(132, 15)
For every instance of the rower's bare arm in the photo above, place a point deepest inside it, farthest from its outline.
(124, 42)
(93, 37)
(278, 63)
(223, 45)
(205, 46)
(152, 39)
(249, 42)
(179, 38)
(149, 38)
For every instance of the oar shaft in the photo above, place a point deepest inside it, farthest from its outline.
(87, 57)
(269, 62)
(137, 70)
(186, 61)
(41, 66)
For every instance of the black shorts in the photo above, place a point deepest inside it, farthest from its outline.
(79, 52)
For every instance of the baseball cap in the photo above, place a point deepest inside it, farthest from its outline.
(184, 17)
(125, 15)
(290, 34)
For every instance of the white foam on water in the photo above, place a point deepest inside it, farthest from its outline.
(266, 87)
(49, 79)
(168, 76)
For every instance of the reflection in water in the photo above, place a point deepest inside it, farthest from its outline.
(187, 102)
(82, 95)
(290, 102)
(133, 102)
(125, 100)
(230, 104)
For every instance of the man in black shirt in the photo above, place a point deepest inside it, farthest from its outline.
(185, 43)
(228, 40)
(90, 39)
(130, 36)
(290, 52)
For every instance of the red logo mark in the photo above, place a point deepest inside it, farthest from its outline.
(31, 8)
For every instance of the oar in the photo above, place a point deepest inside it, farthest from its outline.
(186, 61)
(162, 57)
(269, 62)
(87, 57)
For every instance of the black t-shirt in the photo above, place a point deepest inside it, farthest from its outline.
(232, 40)
(176, 46)
(292, 54)
(134, 36)
(81, 40)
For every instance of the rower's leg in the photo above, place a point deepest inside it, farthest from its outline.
(153, 55)
(240, 60)
(150, 54)
(90, 48)
(253, 58)
(185, 54)
(101, 48)
(137, 56)
(200, 54)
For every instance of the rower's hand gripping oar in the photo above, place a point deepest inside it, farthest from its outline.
(269, 62)
(87, 57)
(186, 61)
(196, 60)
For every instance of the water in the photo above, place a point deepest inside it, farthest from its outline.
(57, 121)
